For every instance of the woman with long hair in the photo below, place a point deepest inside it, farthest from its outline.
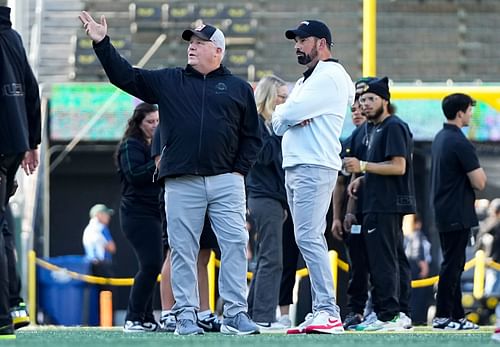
(267, 208)
(139, 214)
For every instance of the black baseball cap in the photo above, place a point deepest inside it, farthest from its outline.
(308, 28)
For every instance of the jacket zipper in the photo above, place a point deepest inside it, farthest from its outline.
(157, 170)
(201, 123)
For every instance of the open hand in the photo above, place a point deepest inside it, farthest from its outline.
(96, 31)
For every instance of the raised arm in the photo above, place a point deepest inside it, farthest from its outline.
(138, 82)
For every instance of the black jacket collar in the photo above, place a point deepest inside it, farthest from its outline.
(309, 71)
(220, 71)
(5, 22)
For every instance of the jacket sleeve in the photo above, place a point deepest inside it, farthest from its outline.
(271, 148)
(311, 101)
(250, 141)
(135, 81)
(136, 167)
(32, 100)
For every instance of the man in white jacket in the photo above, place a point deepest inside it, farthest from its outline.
(310, 122)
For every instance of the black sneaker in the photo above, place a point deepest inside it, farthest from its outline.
(210, 323)
(7, 332)
(453, 324)
(445, 324)
(139, 326)
(466, 324)
(351, 320)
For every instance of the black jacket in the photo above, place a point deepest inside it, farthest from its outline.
(136, 168)
(20, 117)
(266, 178)
(209, 124)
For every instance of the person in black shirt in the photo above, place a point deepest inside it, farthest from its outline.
(139, 214)
(20, 135)
(388, 194)
(209, 124)
(267, 208)
(455, 173)
(347, 216)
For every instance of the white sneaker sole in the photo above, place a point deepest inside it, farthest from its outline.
(194, 333)
(228, 330)
(325, 331)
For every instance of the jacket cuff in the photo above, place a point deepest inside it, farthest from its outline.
(102, 43)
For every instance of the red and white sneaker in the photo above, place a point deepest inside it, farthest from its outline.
(301, 328)
(496, 335)
(324, 323)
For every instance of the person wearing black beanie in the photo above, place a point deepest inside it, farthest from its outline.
(388, 195)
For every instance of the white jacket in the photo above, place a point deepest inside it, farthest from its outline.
(324, 97)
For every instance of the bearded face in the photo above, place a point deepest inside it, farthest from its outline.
(304, 59)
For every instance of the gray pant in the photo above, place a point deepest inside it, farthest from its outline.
(309, 189)
(187, 198)
(268, 217)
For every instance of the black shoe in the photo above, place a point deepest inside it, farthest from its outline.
(7, 332)
(453, 324)
(351, 320)
(210, 324)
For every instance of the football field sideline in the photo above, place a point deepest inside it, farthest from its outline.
(53, 336)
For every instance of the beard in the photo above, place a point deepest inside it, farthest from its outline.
(376, 114)
(304, 59)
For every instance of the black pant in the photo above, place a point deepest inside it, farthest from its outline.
(14, 278)
(267, 215)
(449, 294)
(8, 168)
(381, 235)
(290, 259)
(145, 236)
(404, 275)
(357, 289)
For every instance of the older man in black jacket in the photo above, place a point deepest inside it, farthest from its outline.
(19, 137)
(209, 125)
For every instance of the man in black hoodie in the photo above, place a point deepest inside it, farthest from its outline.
(20, 135)
(209, 125)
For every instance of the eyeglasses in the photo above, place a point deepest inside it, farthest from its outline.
(365, 99)
(282, 96)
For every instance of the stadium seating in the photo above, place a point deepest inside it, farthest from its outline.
(431, 41)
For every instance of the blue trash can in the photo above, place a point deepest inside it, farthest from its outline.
(66, 301)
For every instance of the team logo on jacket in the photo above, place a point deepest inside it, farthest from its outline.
(13, 89)
(220, 88)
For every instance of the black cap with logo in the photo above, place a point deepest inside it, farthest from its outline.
(311, 27)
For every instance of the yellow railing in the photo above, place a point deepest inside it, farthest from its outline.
(479, 262)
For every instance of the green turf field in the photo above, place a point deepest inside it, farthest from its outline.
(76, 337)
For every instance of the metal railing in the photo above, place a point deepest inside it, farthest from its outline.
(479, 263)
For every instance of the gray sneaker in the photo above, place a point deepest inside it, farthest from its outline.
(187, 327)
(241, 324)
